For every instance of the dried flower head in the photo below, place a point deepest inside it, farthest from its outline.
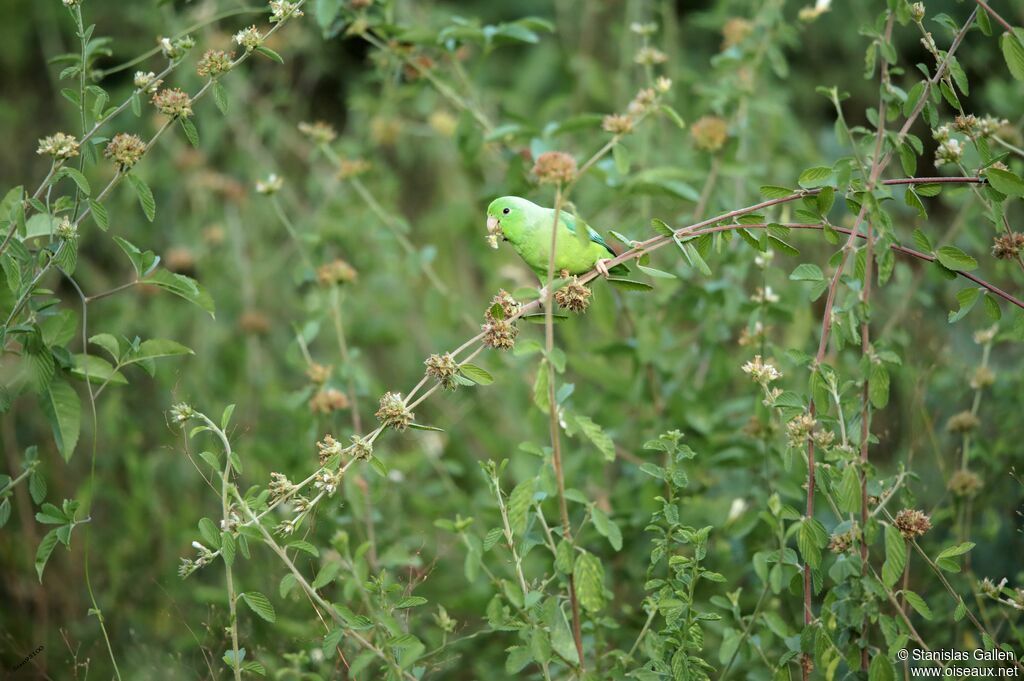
(327, 400)
(642, 101)
(950, 151)
(504, 300)
(735, 31)
(649, 56)
(326, 448)
(810, 13)
(361, 448)
(443, 123)
(986, 336)
(146, 81)
(337, 271)
(181, 412)
(254, 323)
(555, 167)
(760, 371)
(917, 12)
(663, 84)
(280, 487)
(173, 102)
(318, 373)
(393, 412)
(574, 296)
(320, 132)
(964, 483)
(348, 168)
(990, 125)
(443, 368)
(125, 149)
(983, 377)
(72, 3)
(59, 145)
(1008, 246)
(764, 295)
(249, 38)
(176, 49)
(327, 481)
(841, 542)
(709, 133)
(617, 124)
(271, 185)
(912, 523)
(643, 29)
(966, 123)
(66, 229)
(214, 63)
(799, 430)
(964, 422)
(500, 334)
(281, 11)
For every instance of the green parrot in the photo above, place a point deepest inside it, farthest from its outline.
(527, 227)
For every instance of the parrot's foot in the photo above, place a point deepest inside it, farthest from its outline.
(602, 267)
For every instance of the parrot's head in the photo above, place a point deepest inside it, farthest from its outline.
(505, 213)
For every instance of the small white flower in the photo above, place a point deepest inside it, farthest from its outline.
(271, 185)
(249, 38)
(280, 11)
(760, 371)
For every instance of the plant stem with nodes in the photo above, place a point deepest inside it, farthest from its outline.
(554, 427)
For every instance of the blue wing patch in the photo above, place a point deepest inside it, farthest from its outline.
(570, 221)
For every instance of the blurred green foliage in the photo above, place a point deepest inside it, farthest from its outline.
(446, 116)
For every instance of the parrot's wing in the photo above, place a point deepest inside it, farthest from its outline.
(571, 222)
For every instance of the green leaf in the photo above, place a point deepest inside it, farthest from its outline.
(895, 556)
(519, 506)
(227, 548)
(881, 669)
(589, 577)
(656, 273)
(848, 496)
(606, 527)
(878, 386)
(326, 575)
(922, 241)
(410, 602)
(953, 258)
(918, 604)
(518, 658)
(260, 605)
(99, 370)
(209, 532)
(99, 214)
(807, 272)
(190, 131)
(63, 409)
(593, 432)
(673, 115)
(945, 559)
(220, 97)
(77, 177)
(659, 226)
(629, 284)
(1012, 45)
(620, 154)
(769, 191)
(305, 546)
(182, 286)
(818, 176)
(967, 298)
(46, 547)
(475, 373)
(145, 195)
(1005, 182)
(267, 52)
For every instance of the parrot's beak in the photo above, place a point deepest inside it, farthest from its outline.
(493, 231)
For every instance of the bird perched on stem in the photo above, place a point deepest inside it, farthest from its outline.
(528, 226)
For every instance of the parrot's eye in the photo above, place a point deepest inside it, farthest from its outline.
(506, 211)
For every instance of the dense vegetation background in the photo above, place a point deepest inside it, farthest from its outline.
(333, 259)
